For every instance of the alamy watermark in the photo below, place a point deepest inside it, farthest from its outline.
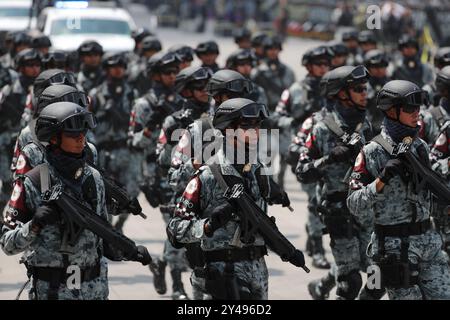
(374, 19)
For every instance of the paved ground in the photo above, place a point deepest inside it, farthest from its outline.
(131, 280)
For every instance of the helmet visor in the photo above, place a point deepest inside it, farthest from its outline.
(80, 122)
(64, 78)
(255, 110)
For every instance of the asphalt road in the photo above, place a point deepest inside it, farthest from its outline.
(129, 280)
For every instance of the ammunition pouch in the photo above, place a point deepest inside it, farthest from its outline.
(338, 221)
(397, 274)
(194, 256)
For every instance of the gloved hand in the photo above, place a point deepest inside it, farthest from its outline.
(219, 217)
(298, 259)
(143, 256)
(392, 168)
(44, 216)
(340, 154)
(281, 198)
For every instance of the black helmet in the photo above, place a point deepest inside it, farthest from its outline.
(376, 58)
(59, 93)
(90, 46)
(112, 59)
(207, 47)
(63, 117)
(151, 43)
(185, 53)
(27, 55)
(316, 54)
(337, 48)
(140, 34)
(272, 42)
(342, 77)
(442, 57)
(238, 108)
(21, 37)
(41, 41)
(55, 59)
(241, 33)
(192, 76)
(367, 36)
(257, 39)
(241, 55)
(162, 60)
(350, 35)
(228, 81)
(407, 40)
(51, 77)
(400, 92)
(443, 79)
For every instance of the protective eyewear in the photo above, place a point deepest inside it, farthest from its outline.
(170, 71)
(79, 98)
(360, 72)
(417, 98)
(255, 110)
(80, 122)
(410, 108)
(202, 74)
(239, 86)
(170, 58)
(63, 78)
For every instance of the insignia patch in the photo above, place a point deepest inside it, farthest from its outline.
(21, 162)
(16, 192)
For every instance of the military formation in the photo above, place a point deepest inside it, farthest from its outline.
(364, 132)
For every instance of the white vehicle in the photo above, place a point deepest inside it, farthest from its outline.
(69, 27)
(14, 15)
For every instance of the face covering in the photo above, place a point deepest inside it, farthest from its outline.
(351, 115)
(398, 131)
(69, 165)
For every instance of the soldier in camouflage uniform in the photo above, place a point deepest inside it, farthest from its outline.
(91, 74)
(19, 41)
(12, 105)
(233, 271)
(243, 61)
(440, 153)
(410, 67)
(111, 103)
(326, 157)
(208, 52)
(242, 37)
(273, 75)
(55, 59)
(137, 76)
(185, 53)
(42, 43)
(147, 116)
(35, 227)
(441, 59)
(340, 54)
(366, 41)
(350, 40)
(190, 84)
(138, 36)
(297, 104)
(376, 61)
(257, 46)
(404, 246)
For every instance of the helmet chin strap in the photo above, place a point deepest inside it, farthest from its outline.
(353, 103)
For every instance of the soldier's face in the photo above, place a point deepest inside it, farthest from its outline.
(244, 69)
(409, 51)
(149, 53)
(358, 94)
(272, 53)
(378, 72)
(116, 72)
(351, 44)
(200, 95)
(168, 78)
(32, 69)
(368, 46)
(319, 68)
(73, 143)
(409, 119)
(185, 64)
(92, 59)
(338, 61)
(245, 44)
(209, 58)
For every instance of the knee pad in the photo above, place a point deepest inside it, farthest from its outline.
(348, 285)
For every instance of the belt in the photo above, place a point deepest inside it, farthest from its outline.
(61, 275)
(235, 255)
(403, 229)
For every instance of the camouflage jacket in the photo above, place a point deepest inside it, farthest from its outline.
(44, 249)
(274, 79)
(201, 196)
(321, 140)
(258, 95)
(440, 149)
(90, 80)
(394, 204)
(149, 112)
(112, 110)
(421, 74)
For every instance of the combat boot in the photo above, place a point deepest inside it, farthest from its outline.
(159, 276)
(318, 253)
(178, 292)
(320, 289)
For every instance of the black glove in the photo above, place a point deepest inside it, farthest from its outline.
(219, 217)
(44, 216)
(340, 154)
(392, 168)
(297, 259)
(142, 256)
(281, 198)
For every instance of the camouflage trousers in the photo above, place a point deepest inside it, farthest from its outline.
(314, 224)
(249, 278)
(425, 252)
(5, 178)
(96, 289)
(198, 288)
(175, 258)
